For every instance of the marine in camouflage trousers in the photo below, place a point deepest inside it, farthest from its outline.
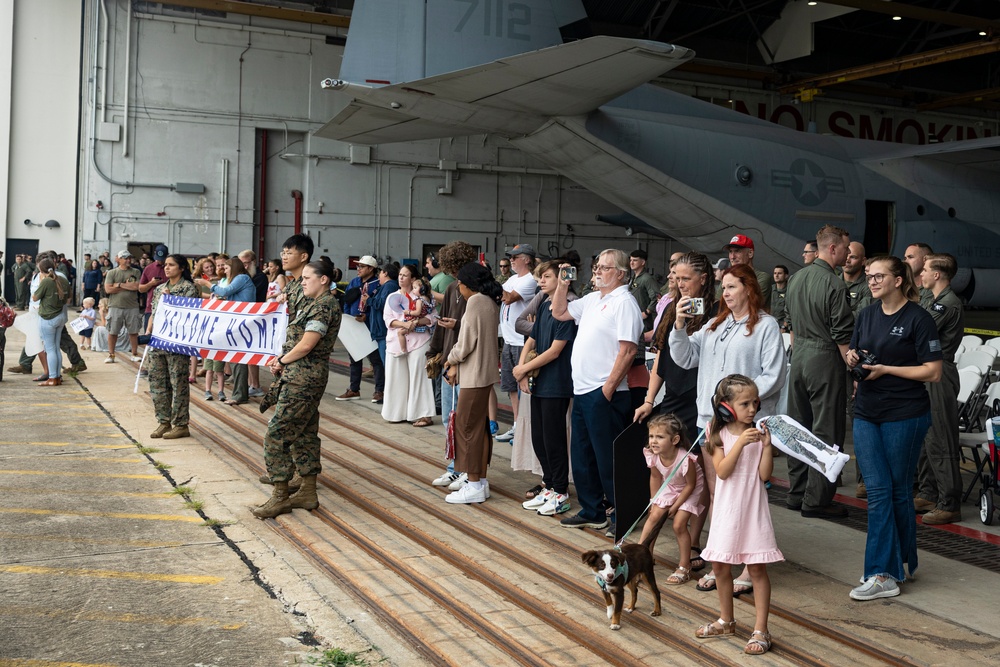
(292, 440)
(168, 385)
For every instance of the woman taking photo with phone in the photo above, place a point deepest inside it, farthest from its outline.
(741, 339)
(894, 350)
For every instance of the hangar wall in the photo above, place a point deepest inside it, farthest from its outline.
(211, 102)
(39, 109)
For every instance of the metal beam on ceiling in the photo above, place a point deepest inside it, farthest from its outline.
(946, 54)
(919, 13)
(264, 11)
(975, 97)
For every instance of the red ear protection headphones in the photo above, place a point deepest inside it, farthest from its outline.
(723, 411)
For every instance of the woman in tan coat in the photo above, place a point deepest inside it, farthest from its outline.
(473, 363)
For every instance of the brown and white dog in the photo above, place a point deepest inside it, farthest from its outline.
(615, 570)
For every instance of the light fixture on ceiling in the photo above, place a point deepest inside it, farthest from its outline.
(897, 18)
(982, 33)
(812, 3)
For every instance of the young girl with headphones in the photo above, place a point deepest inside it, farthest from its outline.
(681, 499)
(741, 529)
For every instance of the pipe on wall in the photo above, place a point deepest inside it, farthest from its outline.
(223, 204)
(128, 72)
(297, 196)
(261, 224)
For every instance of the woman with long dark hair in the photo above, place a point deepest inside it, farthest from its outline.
(894, 350)
(52, 294)
(409, 394)
(472, 363)
(92, 279)
(168, 372)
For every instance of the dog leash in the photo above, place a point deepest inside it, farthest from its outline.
(618, 545)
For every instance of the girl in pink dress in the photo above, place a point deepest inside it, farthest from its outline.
(667, 450)
(741, 529)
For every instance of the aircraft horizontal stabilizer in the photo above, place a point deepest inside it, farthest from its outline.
(975, 153)
(512, 96)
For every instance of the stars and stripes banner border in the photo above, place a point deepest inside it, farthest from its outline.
(239, 332)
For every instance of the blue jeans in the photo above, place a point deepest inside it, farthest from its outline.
(51, 333)
(381, 349)
(596, 424)
(447, 405)
(888, 454)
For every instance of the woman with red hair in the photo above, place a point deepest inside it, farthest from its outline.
(741, 339)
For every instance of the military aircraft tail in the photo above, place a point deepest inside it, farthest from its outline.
(395, 41)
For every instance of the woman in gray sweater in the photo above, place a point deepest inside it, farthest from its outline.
(472, 363)
(741, 339)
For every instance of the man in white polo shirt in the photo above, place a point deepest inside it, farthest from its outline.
(610, 324)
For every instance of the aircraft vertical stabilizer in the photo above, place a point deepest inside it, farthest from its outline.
(395, 41)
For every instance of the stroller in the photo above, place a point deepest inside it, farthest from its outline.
(990, 472)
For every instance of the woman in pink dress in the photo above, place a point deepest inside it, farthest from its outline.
(741, 530)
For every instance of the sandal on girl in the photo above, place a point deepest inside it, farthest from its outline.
(717, 628)
(759, 644)
(41, 378)
(741, 586)
(533, 491)
(706, 583)
(423, 421)
(681, 575)
(697, 562)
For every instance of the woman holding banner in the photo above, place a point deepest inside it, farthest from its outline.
(292, 442)
(168, 372)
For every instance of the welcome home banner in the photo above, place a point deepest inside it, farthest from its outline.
(241, 332)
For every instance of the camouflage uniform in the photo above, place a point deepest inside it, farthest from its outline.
(294, 297)
(292, 440)
(168, 372)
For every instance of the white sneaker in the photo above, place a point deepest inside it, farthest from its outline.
(459, 482)
(874, 589)
(506, 437)
(109, 360)
(537, 501)
(467, 495)
(486, 484)
(446, 479)
(135, 359)
(556, 504)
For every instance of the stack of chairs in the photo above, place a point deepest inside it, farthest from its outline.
(975, 371)
(978, 399)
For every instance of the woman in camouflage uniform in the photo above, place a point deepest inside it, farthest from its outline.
(292, 441)
(168, 372)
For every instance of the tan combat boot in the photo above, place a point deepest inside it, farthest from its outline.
(305, 498)
(293, 484)
(160, 430)
(177, 432)
(277, 504)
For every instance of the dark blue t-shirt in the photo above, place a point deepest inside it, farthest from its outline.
(555, 379)
(908, 337)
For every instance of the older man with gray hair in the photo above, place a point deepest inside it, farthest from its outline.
(610, 324)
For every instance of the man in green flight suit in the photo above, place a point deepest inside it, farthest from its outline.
(938, 475)
(859, 295)
(822, 324)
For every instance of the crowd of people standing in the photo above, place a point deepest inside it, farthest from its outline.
(871, 338)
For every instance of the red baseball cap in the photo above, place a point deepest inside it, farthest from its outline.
(740, 241)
